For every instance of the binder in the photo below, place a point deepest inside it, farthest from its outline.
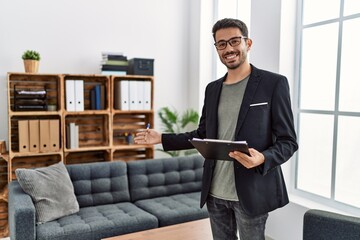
(76, 136)
(79, 95)
(34, 136)
(121, 95)
(102, 97)
(140, 95)
(54, 135)
(72, 136)
(70, 95)
(97, 90)
(219, 149)
(23, 135)
(147, 95)
(133, 95)
(44, 129)
(92, 99)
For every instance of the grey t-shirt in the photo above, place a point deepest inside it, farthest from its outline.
(223, 183)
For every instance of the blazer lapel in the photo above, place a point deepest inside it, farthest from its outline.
(250, 91)
(212, 131)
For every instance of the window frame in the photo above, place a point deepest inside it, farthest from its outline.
(329, 202)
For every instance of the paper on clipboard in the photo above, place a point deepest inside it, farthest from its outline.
(218, 149)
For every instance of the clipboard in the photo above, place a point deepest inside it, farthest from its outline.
(219, 149)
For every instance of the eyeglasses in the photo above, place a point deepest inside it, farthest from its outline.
(221, 45)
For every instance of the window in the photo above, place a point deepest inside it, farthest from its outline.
(328, 104)
(230, 9)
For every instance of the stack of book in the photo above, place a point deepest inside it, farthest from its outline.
(114, 63)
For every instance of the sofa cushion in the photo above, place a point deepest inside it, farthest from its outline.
(164, 177)
(51, 191)
(175, 209)
(98, 222)
(100, 183)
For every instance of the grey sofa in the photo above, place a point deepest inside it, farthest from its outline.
(323, 225)
(116, 198)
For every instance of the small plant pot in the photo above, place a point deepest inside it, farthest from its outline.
(31, 66)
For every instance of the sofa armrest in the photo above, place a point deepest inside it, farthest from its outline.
(21, 213)
(327, 225)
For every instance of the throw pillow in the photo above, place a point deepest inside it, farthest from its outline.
(51, 190)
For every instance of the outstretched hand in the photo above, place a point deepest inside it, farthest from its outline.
(147, 136)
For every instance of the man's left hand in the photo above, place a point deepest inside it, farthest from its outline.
(255, 159)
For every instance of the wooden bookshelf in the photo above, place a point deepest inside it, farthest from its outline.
(101, 133)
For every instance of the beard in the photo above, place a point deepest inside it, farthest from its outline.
(234, 65)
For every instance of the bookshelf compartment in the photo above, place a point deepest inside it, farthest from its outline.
(50, 83)
(4, 228)
(3, 174)
(136, 89)
(87, 157)
(90, 81)
(133, 154)
(14, 129)
(93, 130)
(126, 124)
(28, 162)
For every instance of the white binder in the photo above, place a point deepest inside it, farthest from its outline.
(140, 95)
(133, 95)
(147, 95)
(70, 95)
(121, 95)
(79, 95)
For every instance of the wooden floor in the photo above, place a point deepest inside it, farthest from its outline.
(195, 230)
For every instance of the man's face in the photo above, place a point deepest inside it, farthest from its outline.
(232, 56)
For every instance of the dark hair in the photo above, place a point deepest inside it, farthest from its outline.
(230, 23)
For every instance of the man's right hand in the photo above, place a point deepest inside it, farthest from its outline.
(147, 136)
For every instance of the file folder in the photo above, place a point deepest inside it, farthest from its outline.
(54, 135)
(44, 135)
(23, 135)
(97, 90)
(72, 135)
(147, 95)
(34, 136)
(133, 95)
(70, 95)
(140, 95)
(79, 95)
(121, 95)
(219, 149)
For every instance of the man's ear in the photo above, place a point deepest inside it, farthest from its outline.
(248, 43)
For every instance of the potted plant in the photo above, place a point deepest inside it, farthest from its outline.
(174, 123)
(31, 61)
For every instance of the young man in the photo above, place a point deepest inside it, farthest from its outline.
(246, 104)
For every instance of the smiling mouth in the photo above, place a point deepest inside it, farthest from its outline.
(231, 56)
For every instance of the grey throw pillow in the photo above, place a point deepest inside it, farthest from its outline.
(51, 191)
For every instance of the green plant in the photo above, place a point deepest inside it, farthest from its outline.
(31, 55)
(172, 122)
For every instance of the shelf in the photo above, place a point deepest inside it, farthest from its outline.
(133, 146)
(87, 156)
(33, 154)
(116, 111)
(84, 149)
(86, 112)
(36, 113)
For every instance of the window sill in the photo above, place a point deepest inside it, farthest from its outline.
(313, 204)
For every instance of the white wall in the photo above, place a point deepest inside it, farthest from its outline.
(70, 36)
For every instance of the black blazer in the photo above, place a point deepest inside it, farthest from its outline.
(265, 121)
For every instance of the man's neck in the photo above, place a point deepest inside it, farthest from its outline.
(238, 74)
